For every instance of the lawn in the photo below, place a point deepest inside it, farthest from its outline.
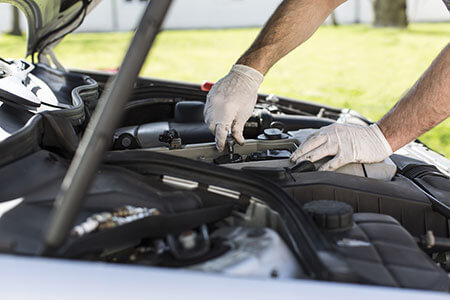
(355, 66)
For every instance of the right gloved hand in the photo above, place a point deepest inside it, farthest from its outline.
(347, 143)
(230, 103)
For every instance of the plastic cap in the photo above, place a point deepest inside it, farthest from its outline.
(207, 86)
(329, 214)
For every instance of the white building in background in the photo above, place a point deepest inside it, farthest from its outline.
(122, 15)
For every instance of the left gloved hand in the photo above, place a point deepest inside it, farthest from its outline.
(347, 143)
(230, 103)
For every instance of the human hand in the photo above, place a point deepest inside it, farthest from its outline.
(230, 103)
(347, 143)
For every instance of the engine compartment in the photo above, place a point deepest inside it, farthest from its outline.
(272, 136)
(382, 194)
(164, 196)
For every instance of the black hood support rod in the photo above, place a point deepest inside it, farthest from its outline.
(98, 134)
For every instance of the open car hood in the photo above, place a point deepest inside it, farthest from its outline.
(49, 20)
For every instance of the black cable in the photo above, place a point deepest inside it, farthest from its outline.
(82, 12)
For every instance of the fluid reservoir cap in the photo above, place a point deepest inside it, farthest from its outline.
(272, 134)
(329, 214)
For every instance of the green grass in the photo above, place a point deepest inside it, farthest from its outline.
(358, 67)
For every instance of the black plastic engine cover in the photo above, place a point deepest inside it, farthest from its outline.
(380, 251)
(398, 198)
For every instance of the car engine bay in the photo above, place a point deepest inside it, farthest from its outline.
(165, 197)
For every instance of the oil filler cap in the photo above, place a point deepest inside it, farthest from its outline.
(329, 214)
(272, 134)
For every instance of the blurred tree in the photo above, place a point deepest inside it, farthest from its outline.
(15, 27)
(390, 13)
(333, 19)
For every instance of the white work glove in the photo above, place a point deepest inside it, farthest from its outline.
(230, 103)
(347, 143)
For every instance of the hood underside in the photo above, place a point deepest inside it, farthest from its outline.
(49, 20)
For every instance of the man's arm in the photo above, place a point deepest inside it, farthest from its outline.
(292, 23)
(230, 102)
(425, 105)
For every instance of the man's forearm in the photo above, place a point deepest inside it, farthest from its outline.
(292, 23)
(425, 105)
